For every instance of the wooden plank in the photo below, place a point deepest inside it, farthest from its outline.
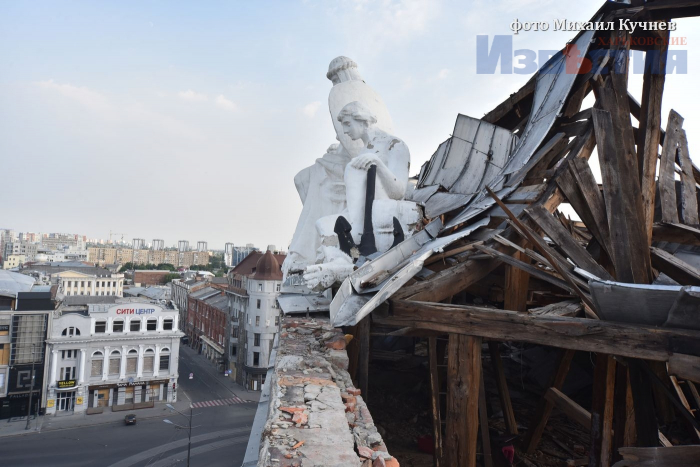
(623, 417)
(667, 182)
(484, 426)
(684, 400)
(525, 194)
(676, 233)
(586, 182)
(363, 329)
(685, 367)
(650, 126)
(602, 411)
(527, 268)
(572, 410)
(570, 308)
(435, 401)
(544, 249)
(511, 102)
(676, 456)
(689, 200)
(647, 426)
(516, 286)
(626, 242)
(544, 407)
(675, 268)
(449, 281)
(559, 235)
(463, 380)
(628, 340)
(503, 393)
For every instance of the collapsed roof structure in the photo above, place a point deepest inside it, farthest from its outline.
(623, 282)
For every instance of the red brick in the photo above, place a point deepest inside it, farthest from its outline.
(365, 452)
(300, 418)
(354, 392)
(336, 343)
(350, 407)
(348, 398)
(292, 410)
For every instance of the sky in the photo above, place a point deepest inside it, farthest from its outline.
(188, 120)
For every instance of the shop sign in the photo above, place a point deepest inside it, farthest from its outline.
(135, 309)
(140, 383)
(79, 400)
(49, 403)
(4, 327)
(66, 383)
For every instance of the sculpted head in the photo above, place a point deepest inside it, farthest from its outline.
(342, 69)
(356, 120)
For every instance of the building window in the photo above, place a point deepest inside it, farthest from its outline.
(135, 325)
(256, 358)
(256, 340)
(279, 287)
(100, 326)
(148, 358)
(234, 349)
(114, 362)
(71, 331)
(277, 320)
(96, 367)
(132, 361)
(151, 325)
(118, 326)
(168, 324)
(164, 362)
(234, 332)
(258, 303)
(260, 287)
(257, 320)
(67, 373)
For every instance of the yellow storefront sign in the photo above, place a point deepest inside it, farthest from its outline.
(79, 400)
(50, 403)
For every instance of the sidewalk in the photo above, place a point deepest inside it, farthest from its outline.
(226, 381)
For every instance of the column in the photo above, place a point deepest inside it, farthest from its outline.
(122, 363)
(143, 323)
(105, 364)
(159, 327)
(156, 362)
(127, 324)
(109, 325)
(176, 320)
(92, 283)
(54, 365)
(81, 367)
(139, 365)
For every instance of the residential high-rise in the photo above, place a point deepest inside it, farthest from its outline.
(138, 244)
(158, 244)
(183, 245)
(202, 246)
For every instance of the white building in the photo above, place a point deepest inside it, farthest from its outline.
(79, 283)
(122, 355)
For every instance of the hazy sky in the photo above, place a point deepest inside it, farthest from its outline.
(188, 120)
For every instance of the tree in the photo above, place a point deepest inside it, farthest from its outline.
(169, 277)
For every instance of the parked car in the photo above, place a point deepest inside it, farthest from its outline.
(130, 419)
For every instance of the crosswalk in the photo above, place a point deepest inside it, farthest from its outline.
(218, 402)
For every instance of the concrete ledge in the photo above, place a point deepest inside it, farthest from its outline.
(316, 416)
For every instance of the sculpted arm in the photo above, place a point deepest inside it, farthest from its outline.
(394, 174)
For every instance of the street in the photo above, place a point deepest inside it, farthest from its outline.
(220, 429)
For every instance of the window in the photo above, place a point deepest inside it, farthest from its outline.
(135, 325)
(118, 326)
(168, 324)
(279, 286)
(277, 320)
(256, 358)
(258, 303)
(234, 332)
(131, 361)
(114, 284)
(234, 349)
(151, 325)
(256, 340)
(148, 358)
(4, 354)
(96, 367)
(67, 372)
(71, 331)
(100, 326)
(82, 283)
(114, 362)
(164, 362)
(260, 287)
(257, 320)
(69, 354)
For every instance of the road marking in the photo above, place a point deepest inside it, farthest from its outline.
(182, 455)
(218, 402)
(142, 456)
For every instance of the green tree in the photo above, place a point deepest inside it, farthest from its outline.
(169, 277)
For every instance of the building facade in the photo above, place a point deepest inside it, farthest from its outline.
(110, 255)
(207, 321)
(71, 283)
(121, 356)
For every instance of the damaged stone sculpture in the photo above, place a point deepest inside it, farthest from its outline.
(354, 196)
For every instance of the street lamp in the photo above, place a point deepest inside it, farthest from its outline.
(188, 428)
(31, 392)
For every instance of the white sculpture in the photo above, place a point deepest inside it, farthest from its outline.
(337, 185)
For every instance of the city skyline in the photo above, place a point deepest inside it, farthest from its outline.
(157, 115)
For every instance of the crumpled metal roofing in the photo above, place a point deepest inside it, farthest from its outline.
(477, 155)
(13, 282)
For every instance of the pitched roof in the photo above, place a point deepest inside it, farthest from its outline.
(268, 268)
(248, 265)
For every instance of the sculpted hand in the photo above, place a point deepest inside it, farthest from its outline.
(364, 161)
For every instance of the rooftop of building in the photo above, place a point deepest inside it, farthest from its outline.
(13, 282)
(249, 264)
(155, 293)
(218, 301)
(205, 293)
(75, 266)
(268, 268)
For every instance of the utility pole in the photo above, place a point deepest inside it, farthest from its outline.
(189, 438)
(31, 393)
(188, 428)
